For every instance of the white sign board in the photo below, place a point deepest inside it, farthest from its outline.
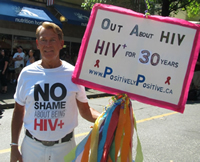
(150, 58)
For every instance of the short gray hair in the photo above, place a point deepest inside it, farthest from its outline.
(49, 25)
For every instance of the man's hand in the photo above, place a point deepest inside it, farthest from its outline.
(17, 58)
(15, 154)
(87, 112)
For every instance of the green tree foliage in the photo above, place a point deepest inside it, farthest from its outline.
(135, 5)
(193, 9)
(168, 7)
(160, 7)
(88, 4)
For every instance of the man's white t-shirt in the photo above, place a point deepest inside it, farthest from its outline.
(19, 62)
(49, 97)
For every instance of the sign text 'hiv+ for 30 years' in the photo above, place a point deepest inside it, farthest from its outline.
(102, 47)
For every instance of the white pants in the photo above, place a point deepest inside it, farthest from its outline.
(34, 151)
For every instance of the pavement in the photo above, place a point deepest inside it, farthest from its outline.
(7, 100)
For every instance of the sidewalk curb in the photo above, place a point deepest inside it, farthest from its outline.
(7, 106)
(98, 95)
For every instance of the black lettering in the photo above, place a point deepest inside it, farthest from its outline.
(172, 40)
(135, 30)
(104, 25)
(52, 92)
(163, 36)
(36, 105)
(100, 47)
(180, 39)
(112, 28)
(56, 105)
(141, 34)
(48, 106)
(176, 65)
(42, 105)
(63, 104)
(120, 26)
(44, 94)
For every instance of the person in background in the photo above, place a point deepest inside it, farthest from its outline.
(196, 76)
(194, 91)
(18, 58)
(47, 102)
(75, 59)
(31, 58)
(25, 57)
(68, 58)
(11, 70)
(3, 68)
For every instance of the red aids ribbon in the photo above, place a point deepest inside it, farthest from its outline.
(167, 81)
(97, 63)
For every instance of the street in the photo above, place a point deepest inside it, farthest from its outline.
(165, 136)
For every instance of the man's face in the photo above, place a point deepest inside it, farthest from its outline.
(19, 50)
(3, 53)
(49, 44)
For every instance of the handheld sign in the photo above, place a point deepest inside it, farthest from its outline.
(151, 59)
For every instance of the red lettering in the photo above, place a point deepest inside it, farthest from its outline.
(45, 124)
(60, 124)
(38, 124)
(53, 127)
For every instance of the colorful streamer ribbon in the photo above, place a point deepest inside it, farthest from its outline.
(110, 140)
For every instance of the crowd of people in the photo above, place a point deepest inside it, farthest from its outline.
(11, 65)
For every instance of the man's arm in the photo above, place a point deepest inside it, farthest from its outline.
(5, 67)
(16, 126)
(17, 58)
(87, 112)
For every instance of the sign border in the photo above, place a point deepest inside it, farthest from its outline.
(190, 69)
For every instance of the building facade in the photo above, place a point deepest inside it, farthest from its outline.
(19, 20)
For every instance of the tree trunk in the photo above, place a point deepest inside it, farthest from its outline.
(165, 8)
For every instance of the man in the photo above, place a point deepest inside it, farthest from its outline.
(18, 58)
(47, 102)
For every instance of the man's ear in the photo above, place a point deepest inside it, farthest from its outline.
(62, 44)
(37, 43)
